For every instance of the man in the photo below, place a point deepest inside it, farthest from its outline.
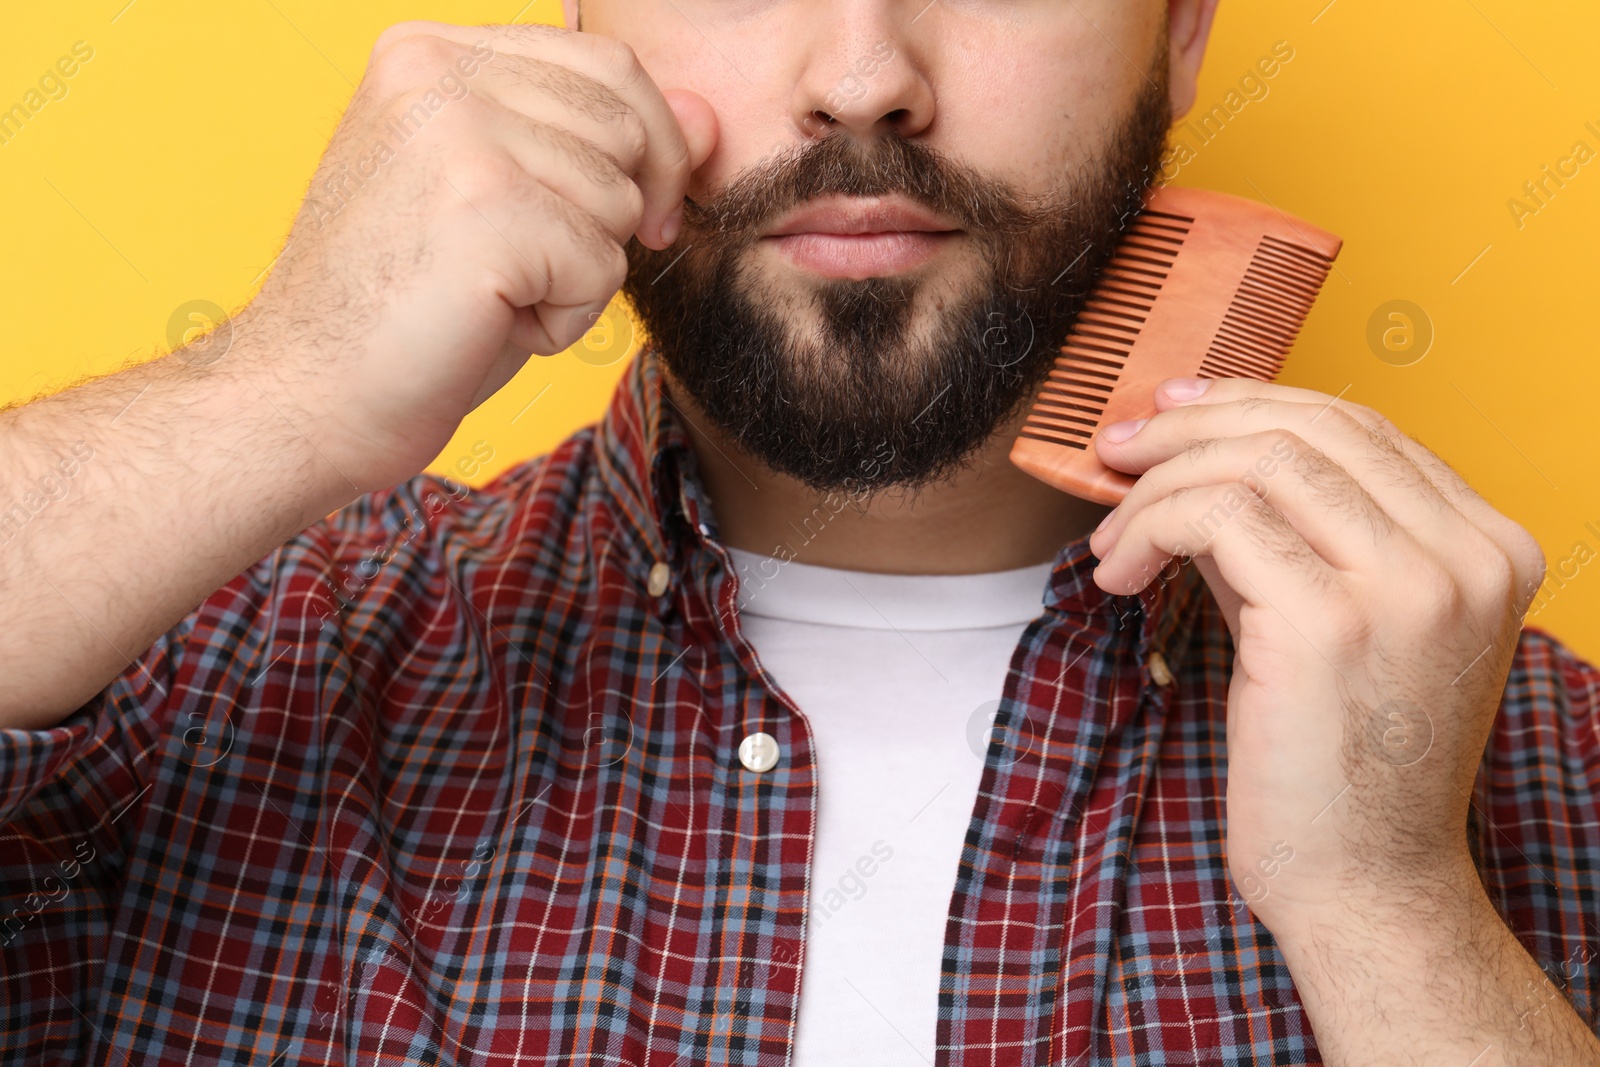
(776, 717)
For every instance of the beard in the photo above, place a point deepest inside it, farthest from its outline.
(873, 397)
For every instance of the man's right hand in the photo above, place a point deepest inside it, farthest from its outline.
(471, 209)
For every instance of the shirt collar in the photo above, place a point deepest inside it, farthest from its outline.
(647, 465)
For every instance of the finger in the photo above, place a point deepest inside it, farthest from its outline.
(1520, 546)
(551, 252)
(1327, 506)
(698, 120)
(574, 168)
(662, 171)
(1258, 552)
(556, 95)
(1379, 470)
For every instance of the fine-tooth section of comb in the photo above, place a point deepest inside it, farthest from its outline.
(1202, 284)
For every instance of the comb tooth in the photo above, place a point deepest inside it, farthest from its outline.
(1307, 273)
(1081, 373)
(1292, 271)
(1247, 353)
(1153, 244)
(1068, 416)
(1221, 366)
(1129, 297)
(1171, 220)
(1072, 401)
(1070, 406)
(1104, 304)
(1245, 332)
(1110, 320)
(1121, 340)
(1294, 250)
(1088, 364)
(1249, 328)
(1264, 318)
(1069, 392)
(1246, 362)
(1238, 295)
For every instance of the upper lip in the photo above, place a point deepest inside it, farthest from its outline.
(857, 215)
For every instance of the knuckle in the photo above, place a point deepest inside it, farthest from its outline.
(617, 62)
(1285, 445)
(1493, 567)
(599, 245)
(1381, 424)
(401, 30)
(1346, 422)
(412, 52)
(1496, 571)
(1199, 449)
(592, 161)
(616, 272)
(479, 176)
(594, 242)
(633, 139)
(413, 107)
(1435, 592)
(1363, 414)
(1384, 444)
(1528, 550)
(631, 209)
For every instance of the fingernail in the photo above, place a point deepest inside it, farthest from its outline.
(1105, 520)
(1118, 432)
(1185, 388)
(674, 223)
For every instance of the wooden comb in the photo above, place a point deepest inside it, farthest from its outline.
(1203, 284)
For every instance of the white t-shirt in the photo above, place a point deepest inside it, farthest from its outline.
(899, 677)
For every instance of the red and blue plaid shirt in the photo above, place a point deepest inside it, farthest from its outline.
(441, 781)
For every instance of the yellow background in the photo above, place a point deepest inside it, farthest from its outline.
(171, 169)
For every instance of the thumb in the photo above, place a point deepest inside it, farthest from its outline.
(698, 120)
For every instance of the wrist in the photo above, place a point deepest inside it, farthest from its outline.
(271, 432)
(1405, 923)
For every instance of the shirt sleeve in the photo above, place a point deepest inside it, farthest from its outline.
(91, 760)
(92, 757)
(62, 852)
(1538, 812)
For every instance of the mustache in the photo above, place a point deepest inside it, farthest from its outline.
(839, 164)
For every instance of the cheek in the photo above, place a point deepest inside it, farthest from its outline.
(1036, 118)
(753, 117)
(1031, 119)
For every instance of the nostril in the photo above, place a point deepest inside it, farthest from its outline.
(823, 115)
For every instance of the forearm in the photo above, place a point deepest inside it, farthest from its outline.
(1444, 983)
(127, 500)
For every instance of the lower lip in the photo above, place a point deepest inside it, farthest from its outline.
(864, 255)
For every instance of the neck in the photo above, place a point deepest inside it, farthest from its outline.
(990, 516)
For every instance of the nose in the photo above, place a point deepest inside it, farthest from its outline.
(864, 74)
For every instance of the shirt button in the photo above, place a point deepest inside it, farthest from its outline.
(759, 752)
(660, 578)
(1160, 673)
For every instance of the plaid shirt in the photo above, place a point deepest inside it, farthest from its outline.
(445, 779)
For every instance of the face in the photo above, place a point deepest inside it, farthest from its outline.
(906, 207)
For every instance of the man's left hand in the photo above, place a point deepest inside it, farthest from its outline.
(1375, 603)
